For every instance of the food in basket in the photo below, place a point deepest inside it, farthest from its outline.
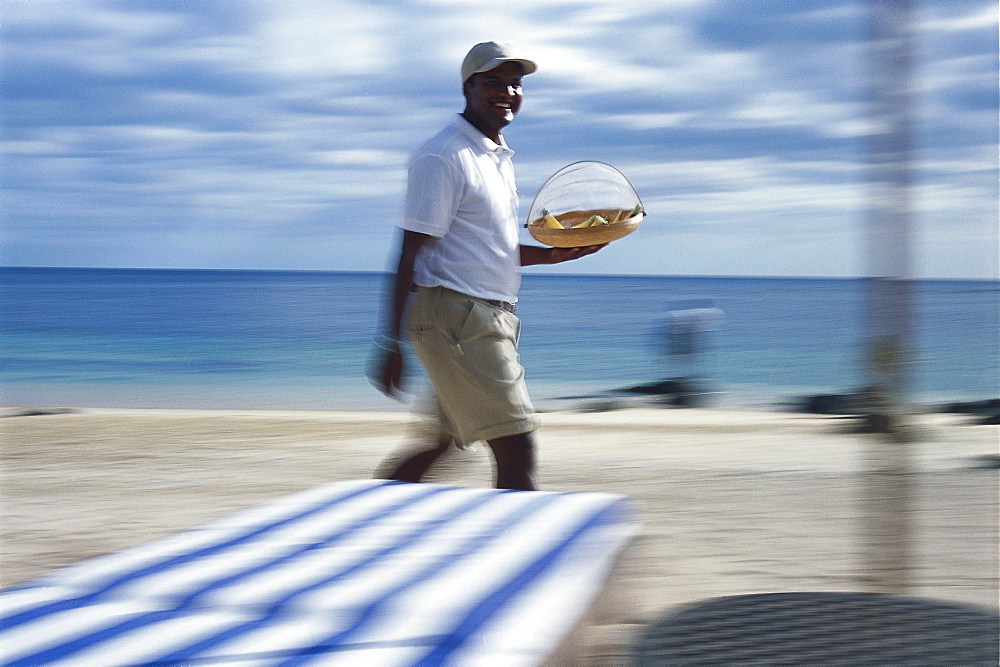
(592, 221)
(550, 221)
(587, 227)
(590, 218)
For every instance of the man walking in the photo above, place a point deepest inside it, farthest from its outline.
(458, 276)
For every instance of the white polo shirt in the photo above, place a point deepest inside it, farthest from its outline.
(461, 191)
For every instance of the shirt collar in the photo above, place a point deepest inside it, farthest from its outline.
(479, 139)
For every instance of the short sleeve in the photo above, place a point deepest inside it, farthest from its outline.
(433, 194)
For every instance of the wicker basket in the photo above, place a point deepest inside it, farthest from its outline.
(575, 193)
(573, 238)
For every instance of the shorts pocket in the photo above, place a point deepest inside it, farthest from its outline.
(419, 318)
(486, 321)
(488, 343)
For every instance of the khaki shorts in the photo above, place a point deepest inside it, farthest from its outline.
(468, 347)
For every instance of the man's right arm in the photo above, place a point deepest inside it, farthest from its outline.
(392, 366)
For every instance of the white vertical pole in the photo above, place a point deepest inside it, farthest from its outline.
(888, 477)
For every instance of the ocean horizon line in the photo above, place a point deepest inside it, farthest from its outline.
(532, 274)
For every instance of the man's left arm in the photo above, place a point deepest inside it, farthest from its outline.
(533, 254)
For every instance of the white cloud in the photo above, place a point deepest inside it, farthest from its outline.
(261, 123)
(325, 37)
(652, 121)
(980, 17)
(800, 109)
(30, 148)
(359, 158)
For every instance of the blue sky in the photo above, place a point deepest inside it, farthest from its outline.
(273, 134)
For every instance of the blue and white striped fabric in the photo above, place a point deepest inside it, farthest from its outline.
(352, 573)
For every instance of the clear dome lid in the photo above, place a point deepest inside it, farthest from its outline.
(584, 186)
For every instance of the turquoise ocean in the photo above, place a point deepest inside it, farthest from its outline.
(302, 340)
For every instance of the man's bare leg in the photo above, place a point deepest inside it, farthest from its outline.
(415, 466)
(515, 459)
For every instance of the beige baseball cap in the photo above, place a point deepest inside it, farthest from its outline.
(486, 55)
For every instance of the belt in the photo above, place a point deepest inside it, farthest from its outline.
(505, 305)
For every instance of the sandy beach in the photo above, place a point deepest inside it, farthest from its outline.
(731, 502)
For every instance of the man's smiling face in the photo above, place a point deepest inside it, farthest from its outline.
(493, 98)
